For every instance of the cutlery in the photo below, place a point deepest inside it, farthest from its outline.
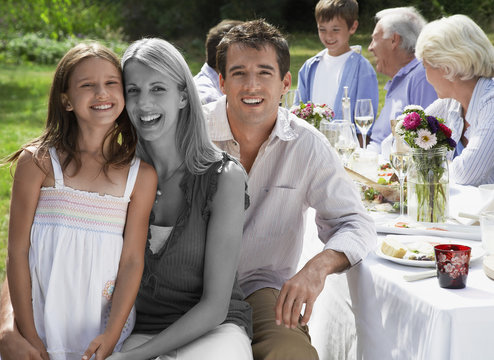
(468, 216)
(420, 275)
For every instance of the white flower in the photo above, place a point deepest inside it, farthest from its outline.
(425, 139)
(319, 110)
(399, 129)
(413, 107)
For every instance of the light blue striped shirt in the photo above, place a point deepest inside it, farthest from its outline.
(475, 164)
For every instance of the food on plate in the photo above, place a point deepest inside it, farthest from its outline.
(386, 175)
(393, 247)
(402, 224)
(385, 190)
(416, 250)
(421, 250)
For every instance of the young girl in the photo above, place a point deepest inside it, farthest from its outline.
(79, 215)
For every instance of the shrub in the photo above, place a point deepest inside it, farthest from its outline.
(35, 48)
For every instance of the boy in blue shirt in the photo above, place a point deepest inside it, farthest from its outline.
(322, 78)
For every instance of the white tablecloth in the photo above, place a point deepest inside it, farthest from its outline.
(401, 320)
(378, 315)
(332, 324)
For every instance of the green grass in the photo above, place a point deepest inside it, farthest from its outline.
(23, 100)
(24, 91)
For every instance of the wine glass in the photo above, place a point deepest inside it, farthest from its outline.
(343, 139)
(399, 162)
(364, 117)
(292, 97)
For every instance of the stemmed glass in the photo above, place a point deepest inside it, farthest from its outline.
(341, 137)
(399, 162)
(364, 117)
(289, 99)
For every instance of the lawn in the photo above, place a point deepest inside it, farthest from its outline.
(24, 93)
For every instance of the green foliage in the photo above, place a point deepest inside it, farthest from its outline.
(33, 47)
(59, 19)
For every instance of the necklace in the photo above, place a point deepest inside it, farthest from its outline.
(158, 191)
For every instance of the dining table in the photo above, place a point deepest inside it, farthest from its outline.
(372, 312)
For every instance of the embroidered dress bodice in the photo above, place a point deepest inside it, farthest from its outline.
(76, 243)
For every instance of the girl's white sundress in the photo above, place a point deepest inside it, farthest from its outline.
(76, 242)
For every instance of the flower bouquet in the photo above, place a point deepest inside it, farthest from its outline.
(428, 176)
(313, 113)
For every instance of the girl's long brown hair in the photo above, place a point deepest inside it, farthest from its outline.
(61, 129)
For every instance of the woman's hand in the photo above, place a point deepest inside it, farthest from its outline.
(102, 346)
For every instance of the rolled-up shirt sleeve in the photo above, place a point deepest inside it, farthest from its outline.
(342, 222)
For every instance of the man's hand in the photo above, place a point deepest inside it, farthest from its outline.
(305, 286)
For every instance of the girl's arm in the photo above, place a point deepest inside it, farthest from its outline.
(223, 241)
(28, 180)
(131, 261)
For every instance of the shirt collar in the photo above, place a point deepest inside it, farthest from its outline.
(479, 89)
(219, 127)
(404, 71)
(282, 128)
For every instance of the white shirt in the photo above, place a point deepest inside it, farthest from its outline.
(328, 77)
(295, 169)
(208, 84)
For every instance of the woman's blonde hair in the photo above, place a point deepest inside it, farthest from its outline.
(458, 46)
(192, 138)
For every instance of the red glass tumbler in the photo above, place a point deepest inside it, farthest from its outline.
(452, 262)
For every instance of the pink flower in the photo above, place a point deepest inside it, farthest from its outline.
(412, 121)
(446, 130)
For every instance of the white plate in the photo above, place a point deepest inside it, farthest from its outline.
(466, 232)
(477, 250)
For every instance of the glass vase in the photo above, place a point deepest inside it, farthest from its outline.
(428, 185)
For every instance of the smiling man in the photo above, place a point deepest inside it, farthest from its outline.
(291, 167)
(393, 45)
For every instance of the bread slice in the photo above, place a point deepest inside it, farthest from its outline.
(393, 247)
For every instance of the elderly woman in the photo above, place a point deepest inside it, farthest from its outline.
(459, 62)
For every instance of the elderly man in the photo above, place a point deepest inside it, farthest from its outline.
(393, 45)
(206, 80)
(291, 167)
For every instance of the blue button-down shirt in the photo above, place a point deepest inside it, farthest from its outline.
(408, 87)
(358, 74)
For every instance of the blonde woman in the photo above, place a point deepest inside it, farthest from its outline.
(459, 62)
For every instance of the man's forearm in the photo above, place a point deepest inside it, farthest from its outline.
(329, 261)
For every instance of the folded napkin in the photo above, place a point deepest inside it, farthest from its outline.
(469, 200)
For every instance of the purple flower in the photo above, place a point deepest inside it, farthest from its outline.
(451, 142)
(433, 124)
(412, 121)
